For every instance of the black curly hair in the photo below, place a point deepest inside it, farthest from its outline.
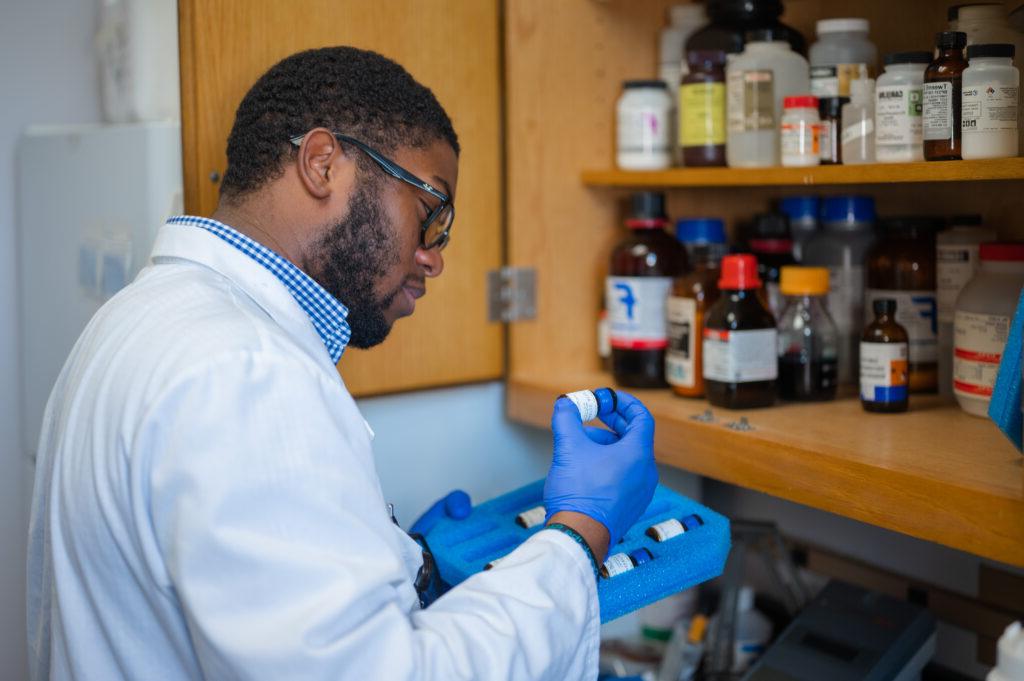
(344, 89)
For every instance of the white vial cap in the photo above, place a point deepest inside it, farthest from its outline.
(586, 402)
(532, 517)
(847, 25)
(616, 564)
(1009, 655)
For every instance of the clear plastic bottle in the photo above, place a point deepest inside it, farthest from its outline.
(990, 103)
(808, 337)
(803, 212)
(957, 261)
(982, 324)
(858, 136)
(842, 246)
(898, 107)
(842, 53)
(753, 631)
(757, 82)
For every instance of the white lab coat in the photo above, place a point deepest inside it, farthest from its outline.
(206, 506)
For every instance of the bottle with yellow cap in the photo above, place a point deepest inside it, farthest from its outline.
(808, 337)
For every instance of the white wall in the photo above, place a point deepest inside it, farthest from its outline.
(47, 75)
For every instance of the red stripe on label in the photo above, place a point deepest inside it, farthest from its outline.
(628, 344)
(715, 334)
(983, 357)
(971, 388)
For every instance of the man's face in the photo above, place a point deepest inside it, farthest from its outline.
(370, 257)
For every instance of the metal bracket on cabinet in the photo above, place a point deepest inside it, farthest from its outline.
(511, 294)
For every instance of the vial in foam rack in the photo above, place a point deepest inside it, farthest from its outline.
(619, 563)
(667, 529)
(593, 403)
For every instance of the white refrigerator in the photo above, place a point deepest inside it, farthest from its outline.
(90, 200)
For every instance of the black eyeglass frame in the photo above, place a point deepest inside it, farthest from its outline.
(400, 173)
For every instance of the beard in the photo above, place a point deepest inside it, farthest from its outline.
(351, 257)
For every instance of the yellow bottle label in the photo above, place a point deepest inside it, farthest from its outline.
(702, 114)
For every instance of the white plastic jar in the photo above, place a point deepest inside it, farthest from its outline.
(898, 108)
(840, 55)
(757, 82)
(981, 325)
(643, 120)
(800, 132)
(990, 103)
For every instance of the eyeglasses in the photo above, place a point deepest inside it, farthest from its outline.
(436, 229)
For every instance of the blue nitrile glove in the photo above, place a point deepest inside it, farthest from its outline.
(455, 504)
(609, 476)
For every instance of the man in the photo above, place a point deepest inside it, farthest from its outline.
(206, 503)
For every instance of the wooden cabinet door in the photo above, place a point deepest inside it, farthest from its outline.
(451, 46)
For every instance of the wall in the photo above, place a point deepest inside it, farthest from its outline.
(47, 75)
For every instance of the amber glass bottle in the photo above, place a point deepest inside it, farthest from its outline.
(636, 291)
(740, 340)
(883, 361)
(941, 106)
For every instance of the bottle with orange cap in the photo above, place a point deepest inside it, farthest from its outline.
(740, 363)
(808, 337)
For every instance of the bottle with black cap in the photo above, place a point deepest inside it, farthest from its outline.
(731, 19)
(636, 290)
(772, 243)
(898, 99)
(991, 106)
(884, 350)
(943, 80)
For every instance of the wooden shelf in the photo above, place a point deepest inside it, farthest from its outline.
(934, 473)
(942, 171)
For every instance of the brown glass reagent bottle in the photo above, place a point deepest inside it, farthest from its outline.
(642, 269)
(702, 109)
(884, 350)
(942, 106)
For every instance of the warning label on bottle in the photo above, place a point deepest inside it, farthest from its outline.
(883, 372)
(978, 343)
(636, 312)
(989, 108)
(750, 98)
(937, 111)
(681, 359)
(740, 356)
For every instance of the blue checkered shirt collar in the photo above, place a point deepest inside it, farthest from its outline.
(328, 315)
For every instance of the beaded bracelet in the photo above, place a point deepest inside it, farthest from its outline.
(578, 538)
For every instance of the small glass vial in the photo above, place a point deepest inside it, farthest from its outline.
(830, 109)
(858, 136)
(898, 108)
(740, 364)
(884, 362)
(673, 527)
(593, 403)
(808, 337)
(942, 94)
(990, 103)
(702, 109)
(621, 563)
(643, 127)
(981, 326)
(800, 131)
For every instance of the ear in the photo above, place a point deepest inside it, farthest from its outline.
(316, 160)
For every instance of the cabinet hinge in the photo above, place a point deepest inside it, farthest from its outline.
(511, 294)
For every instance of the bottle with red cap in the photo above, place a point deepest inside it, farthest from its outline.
(740, 340)
(981, 323)
(636, 292)
(800, 131)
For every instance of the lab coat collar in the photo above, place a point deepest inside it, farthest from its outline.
(186, 242)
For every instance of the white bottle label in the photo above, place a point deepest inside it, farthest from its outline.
(616, 564)
(978, 343)
(644, 130)
(800, 143)
(916, 311)
(834, 81)
(955, 265)
(667, 529)
(857, 131)
(750, 100)
(681, 358)
(883, 372)
(937, 111)
(740, 356)
(897, 122)
(989, 108)
(636, 312)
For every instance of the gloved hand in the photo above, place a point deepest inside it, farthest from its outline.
(455, 504)
(607, 475)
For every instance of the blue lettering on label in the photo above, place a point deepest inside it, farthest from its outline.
(627, 298)
(928, 309)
